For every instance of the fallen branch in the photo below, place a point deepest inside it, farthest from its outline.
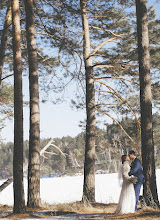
(25, 167)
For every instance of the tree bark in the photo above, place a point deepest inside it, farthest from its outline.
(19, 202)
(5, 31)
(89, 164)
(148, 161)
(34, 135)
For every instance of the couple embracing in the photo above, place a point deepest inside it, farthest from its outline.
(133, 179)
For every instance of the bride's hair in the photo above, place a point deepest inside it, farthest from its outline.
(123, 158)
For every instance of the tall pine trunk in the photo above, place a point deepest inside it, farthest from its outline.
(5, 31)
(89, 164)
(150, 187)
(19, 202)
(34, 135)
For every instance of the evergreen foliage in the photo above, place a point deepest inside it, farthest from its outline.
(6, 103)
(110, 145)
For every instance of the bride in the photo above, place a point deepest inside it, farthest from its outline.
(127, 198)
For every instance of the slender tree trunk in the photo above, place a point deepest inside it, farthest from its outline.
(150, 187)
(34, 138)
(19, 202)
(5, 31)
(89, 164)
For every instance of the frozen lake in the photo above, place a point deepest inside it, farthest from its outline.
(69, 189)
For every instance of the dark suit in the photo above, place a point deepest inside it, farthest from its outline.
(136, 170)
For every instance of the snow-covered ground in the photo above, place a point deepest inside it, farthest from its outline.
(69, 189)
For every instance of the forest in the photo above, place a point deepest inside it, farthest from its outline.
(108, 53)
(110, 145)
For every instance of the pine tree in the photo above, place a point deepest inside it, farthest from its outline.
(19, 202)
(34, 135)
(150, 187)
(89, 164)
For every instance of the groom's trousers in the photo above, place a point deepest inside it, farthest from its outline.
(137, 188)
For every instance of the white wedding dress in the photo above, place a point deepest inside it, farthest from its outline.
(127, 199)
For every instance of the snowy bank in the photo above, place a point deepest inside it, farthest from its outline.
(69, 189)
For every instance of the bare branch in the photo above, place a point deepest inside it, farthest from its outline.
(51, 153)
(121, 66)
(117, 124)
(114, 77)
(45, 148)
(111, 67)
(121, 98)
(106, 30)
(7, 76)
(44, 157)
(101, 45)
(115, 96)
(58, 149)
(112, 104)
(25, 166)
(135, 144)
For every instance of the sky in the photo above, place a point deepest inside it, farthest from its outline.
(55, 120)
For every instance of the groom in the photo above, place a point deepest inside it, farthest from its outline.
(136, 170)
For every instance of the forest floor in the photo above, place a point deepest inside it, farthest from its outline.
(74, 211)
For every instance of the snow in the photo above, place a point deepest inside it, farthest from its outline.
(68, 189)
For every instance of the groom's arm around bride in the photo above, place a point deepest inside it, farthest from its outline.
(136, 170)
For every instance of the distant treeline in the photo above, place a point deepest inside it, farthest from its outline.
(110, 145)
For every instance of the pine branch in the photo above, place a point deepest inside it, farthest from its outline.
(4, 41)
(110, 93)
(101, 45)
(117, 124)
(111, 104)
(114, 77)
(121, 98)
(105, 30)
(121, 127)
(109, 66)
